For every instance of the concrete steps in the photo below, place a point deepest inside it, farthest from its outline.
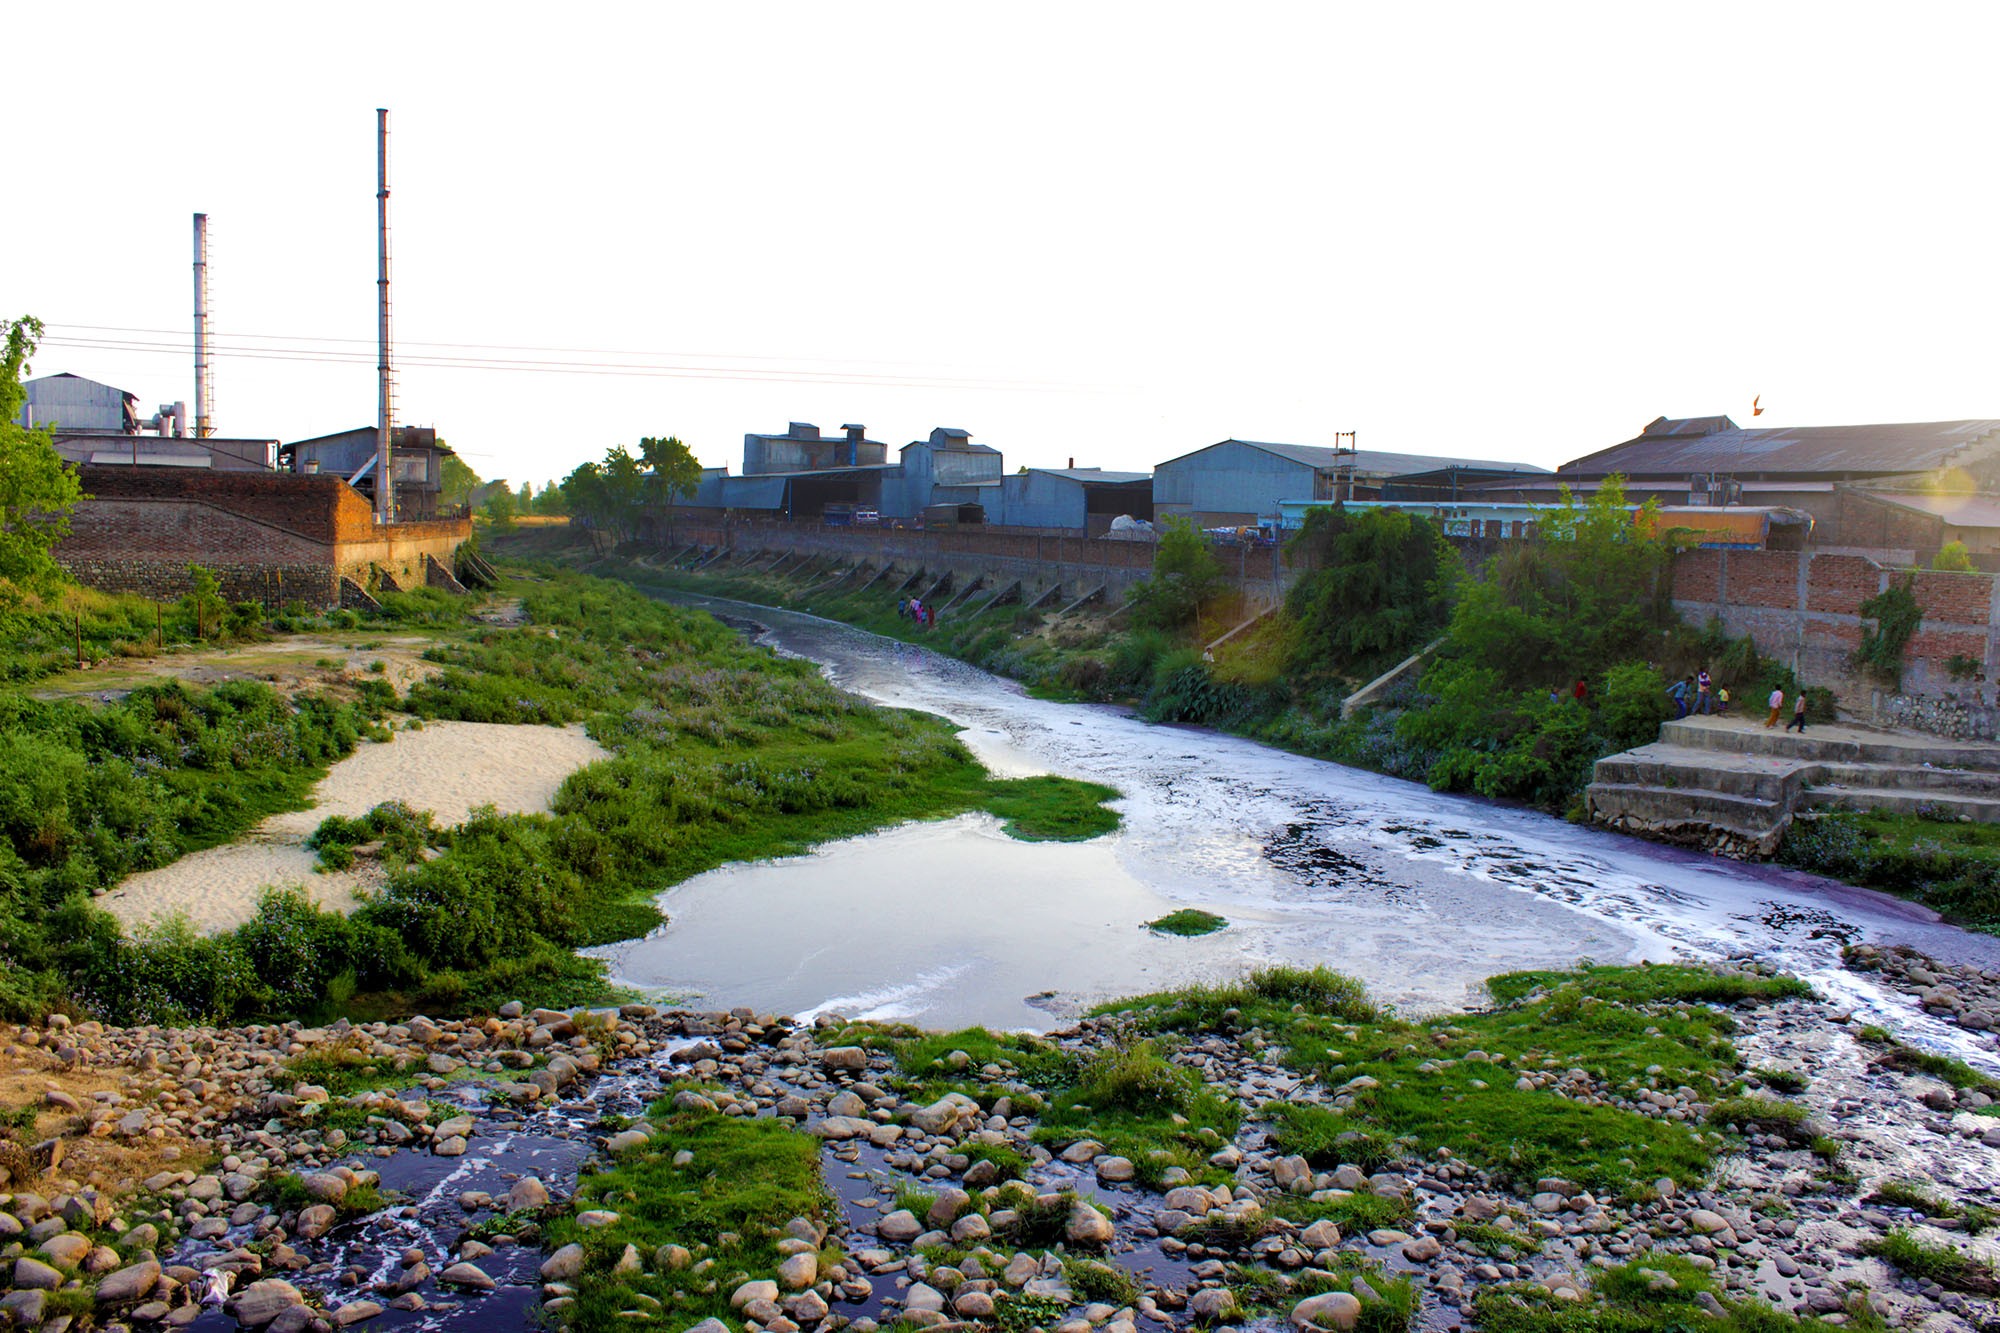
(1907, 801)
(1734, 787)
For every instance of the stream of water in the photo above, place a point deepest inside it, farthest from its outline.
(1422, 895)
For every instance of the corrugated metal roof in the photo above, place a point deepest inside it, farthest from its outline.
(1808, 450)
(1368, 462)
(1967, 511)
(1089, 475)
(1660, 426)
(754, 492)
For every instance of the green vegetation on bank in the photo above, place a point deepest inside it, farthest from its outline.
(1542, 1084)
(1948, 865)
(720, 751)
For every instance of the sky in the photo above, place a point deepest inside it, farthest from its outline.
(1107, 232)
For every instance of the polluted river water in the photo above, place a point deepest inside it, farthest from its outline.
(1420, 894)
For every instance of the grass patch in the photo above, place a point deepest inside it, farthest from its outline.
(1510, 1089)
(1052, 809)
(1935, 1263)
(1266, 996)
(1788, 1081)
(935, 1063)
(1352, 1213)
(289, 1193)
(1657, 1294)
(1909, 1194)
(1764, 1115)
(1390, 1305)
(1498, 1242)
(1141, 1107)
(747, 1179)
(1188, 922)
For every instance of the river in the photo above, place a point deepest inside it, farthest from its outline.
(1421, 895)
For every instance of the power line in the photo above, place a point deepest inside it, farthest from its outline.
(495, 347)
(523, 365)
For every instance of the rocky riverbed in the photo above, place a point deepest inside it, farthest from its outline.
(201, 1178)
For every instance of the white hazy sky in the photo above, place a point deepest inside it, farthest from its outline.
(1114, 232)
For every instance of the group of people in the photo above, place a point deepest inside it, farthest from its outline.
(913, 609)
(1700, 694)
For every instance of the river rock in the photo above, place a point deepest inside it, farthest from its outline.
(592, 1219)
(924, 1297)
(467, 1275)
(946, 1207)
(763, 1289)
(1330, 1310)
(526, 1194)
(1115, 1170)
(1087, 1226)
(315, 1221)
(1321, 1235)
(324, 1186)
(25, 1308)
(900, 1227)
(1712, 1224)
(625, 1140)
(263, 1301)
(973, 1305)
(354, 1312)
(1212, 1304)
(563, 1265)
(844, 1057)
(796, 1272)
(936, 1118)
(66, 1250)
(34, 1275)
(128, 1284)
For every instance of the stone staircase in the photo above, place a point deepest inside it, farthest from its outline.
(1731, 786)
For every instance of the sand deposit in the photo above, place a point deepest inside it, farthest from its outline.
(448, 768)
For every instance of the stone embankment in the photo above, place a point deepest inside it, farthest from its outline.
(1729, 785)
(171, 1170)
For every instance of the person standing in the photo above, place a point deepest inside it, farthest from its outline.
(1580, 690)
(1777, 701)
(1703, 699)
(1678, 692)
(1798, 714)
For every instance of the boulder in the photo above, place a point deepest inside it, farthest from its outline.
(527, 1193)
(563, 1265)
(1087, 1226)
(263, 1301)
(1330, 1310)
(762, 1289)
(470, 1276)
(796, 1272)
(900, 1227)
(128, 1284)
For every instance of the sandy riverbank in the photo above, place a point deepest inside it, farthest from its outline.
(448, 768)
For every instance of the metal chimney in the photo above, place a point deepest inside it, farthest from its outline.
(204, 383)
(385, 422)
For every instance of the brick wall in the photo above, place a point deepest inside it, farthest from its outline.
(271, 537)
(1804, 609)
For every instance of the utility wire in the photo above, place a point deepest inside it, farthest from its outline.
(531, 365)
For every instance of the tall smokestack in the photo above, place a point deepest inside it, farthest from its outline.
(204, 384)
(385, 421)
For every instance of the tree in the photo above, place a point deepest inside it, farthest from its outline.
(624, 490)
(676, 473)
(500, 507)
(204, 595)
(524, 500)
(550, 500)
(1186, 577)
(36, 491)
(1953, 558)
(458, 480)
(1375, 585)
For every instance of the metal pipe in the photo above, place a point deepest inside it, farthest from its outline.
(203, 386)
(385, 421)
